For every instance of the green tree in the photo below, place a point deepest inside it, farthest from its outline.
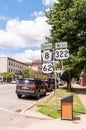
(68, 20)
(32, 75)
(68, 23)
(81, 60)
(25, 73)
(8, 76)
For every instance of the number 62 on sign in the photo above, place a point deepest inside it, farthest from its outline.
(47, 68)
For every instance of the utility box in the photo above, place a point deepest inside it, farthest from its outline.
(67, 108)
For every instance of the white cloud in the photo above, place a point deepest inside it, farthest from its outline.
(3, 18)
(37, 14)
(3, 55)
(28, 55)
(21, 34)
(25, 34)
(49, 2)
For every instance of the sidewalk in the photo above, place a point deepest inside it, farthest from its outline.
(53, 124)
(81, 91)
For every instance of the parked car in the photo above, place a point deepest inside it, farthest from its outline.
(50, 83)
(30, 87)
(46, 84)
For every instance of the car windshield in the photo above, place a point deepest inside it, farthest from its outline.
(26, 81)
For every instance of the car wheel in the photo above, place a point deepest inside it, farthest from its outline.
(19, 96)
(51, 87)
(45, 93)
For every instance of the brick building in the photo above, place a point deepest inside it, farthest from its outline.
(11, 65)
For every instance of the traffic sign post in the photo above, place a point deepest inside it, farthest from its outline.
(56, 86)
(61, 53)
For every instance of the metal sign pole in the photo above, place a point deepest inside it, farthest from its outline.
(55, 86)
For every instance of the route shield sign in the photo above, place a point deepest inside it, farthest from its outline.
(61, 54)
(47, 68)
(46, 55)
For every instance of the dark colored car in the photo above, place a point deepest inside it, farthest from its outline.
(50, 83)
(30, 87)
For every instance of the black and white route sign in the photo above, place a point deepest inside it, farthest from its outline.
(61, 54)
(47, 68)
(46, 55)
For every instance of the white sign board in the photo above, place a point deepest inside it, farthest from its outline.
(46, 55)
(61, 45)
(47, 68)
(61, 54)
(58, 71)
(46, 46)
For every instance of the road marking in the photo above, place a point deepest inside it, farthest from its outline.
(3, 109)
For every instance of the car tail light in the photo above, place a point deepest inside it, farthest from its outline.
(46, 83)
(33, 86)
(18, 85)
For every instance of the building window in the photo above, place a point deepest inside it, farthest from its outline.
(9, 62)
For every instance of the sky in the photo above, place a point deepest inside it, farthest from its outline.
(23, 28)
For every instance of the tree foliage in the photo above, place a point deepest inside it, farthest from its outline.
(25, 73)
(68, 20)
(8, 75)
(68, 23)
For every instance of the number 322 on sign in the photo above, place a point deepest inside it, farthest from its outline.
(47, 68)
(61, 54)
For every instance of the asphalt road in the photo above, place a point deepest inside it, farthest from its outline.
(11, 106)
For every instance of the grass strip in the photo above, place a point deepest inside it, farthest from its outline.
(49, 106)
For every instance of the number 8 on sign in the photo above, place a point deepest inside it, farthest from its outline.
(46, 55)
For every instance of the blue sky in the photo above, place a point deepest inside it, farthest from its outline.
(23, 28)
